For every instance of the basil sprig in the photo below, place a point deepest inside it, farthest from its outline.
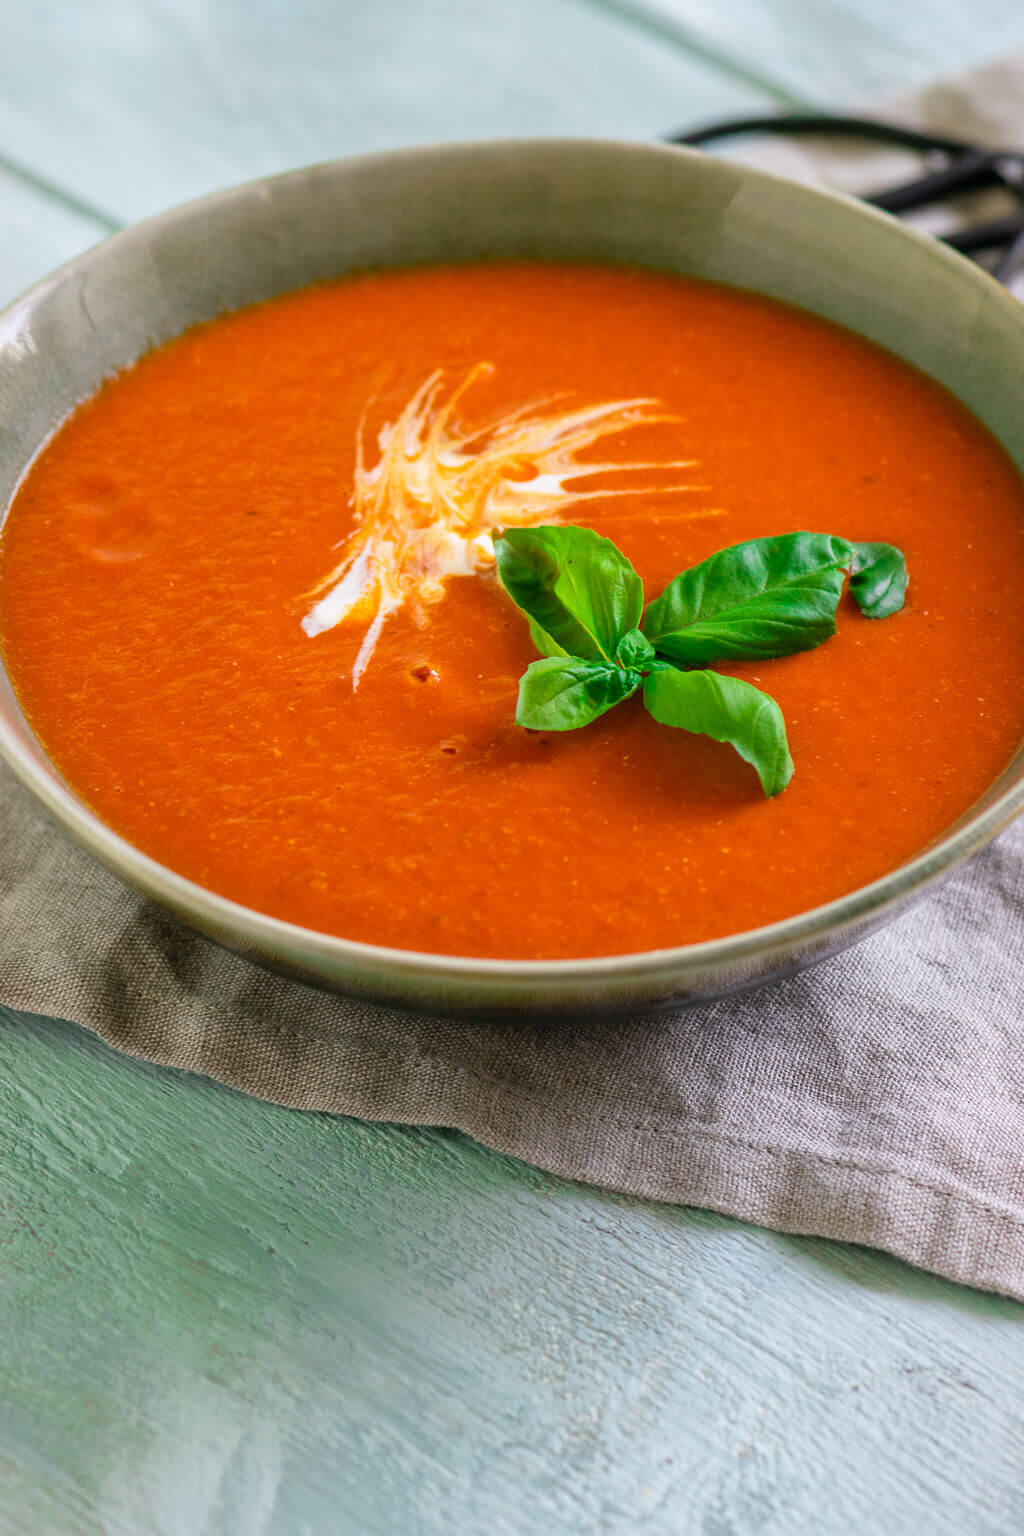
(764, 598)
(754, 601)
(879, 579)
(579, 591)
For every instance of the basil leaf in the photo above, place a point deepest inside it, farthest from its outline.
(728, 710)
(879, 579)
(561, 693)
(635, 650)
(543, 641)
(579, 589)
(767, 597)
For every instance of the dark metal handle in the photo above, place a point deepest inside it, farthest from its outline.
(970, 168)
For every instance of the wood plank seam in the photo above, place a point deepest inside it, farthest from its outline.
(59, 194)
(679, 37)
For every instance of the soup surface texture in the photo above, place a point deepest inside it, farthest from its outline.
(181, 613)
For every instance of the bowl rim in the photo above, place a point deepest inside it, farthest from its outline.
(250, 927)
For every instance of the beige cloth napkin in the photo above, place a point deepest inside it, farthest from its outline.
(878, 1099)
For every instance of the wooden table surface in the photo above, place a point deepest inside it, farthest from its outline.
(219, 1317)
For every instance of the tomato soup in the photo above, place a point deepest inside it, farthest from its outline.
(248, 603)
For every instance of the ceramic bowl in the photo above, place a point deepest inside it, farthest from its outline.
(665, 207)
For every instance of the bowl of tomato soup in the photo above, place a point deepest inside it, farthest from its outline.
(256, 657)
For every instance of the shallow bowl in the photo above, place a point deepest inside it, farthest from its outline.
(663, 207)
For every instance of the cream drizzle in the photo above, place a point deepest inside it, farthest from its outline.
(428, 507)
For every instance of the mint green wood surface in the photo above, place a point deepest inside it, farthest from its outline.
(830, 51)
(140, 104)
(223, 1318)
(37, 232)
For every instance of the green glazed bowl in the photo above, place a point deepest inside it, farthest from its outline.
(664, 207)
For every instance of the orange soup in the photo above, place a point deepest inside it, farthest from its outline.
(248, 602)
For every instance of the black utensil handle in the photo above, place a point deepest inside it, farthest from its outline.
(970, 167)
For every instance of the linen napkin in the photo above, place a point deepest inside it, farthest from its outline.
(878, 1099)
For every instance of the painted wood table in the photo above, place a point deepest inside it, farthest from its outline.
(224, 1318)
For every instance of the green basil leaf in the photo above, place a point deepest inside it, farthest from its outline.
(728, 710)
(543, 641)
(577, 587)
(561, 693)
(766, 597)
(635, 650)
(879, 579)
